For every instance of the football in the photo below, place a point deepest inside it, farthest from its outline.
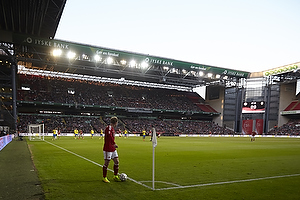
(123, 177)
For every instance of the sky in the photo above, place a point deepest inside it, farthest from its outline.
(247, 35)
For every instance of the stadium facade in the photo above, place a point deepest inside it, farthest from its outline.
(237, 100)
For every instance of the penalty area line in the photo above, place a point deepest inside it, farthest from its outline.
(230, 182)
(75, 154)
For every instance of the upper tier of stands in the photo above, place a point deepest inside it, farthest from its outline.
(74, 91)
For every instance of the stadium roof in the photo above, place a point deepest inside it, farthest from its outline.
(64, 56)
(34, 17)
(33, 23)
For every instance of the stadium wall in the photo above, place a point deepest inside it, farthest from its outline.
(287, 95)
(218, 105)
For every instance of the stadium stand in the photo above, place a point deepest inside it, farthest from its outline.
(295, 105)
(67, 124)
(200, 103)
(73, 91)
(61, 90)
(292, 127)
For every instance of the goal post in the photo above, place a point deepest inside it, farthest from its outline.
(36, 131)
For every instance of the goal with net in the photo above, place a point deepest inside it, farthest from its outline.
(36, 131)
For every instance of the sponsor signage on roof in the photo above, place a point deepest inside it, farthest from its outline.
(281, 70)
(124, 55)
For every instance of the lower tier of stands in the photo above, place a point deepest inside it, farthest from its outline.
(67, 124)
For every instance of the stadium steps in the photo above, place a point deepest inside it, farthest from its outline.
(297, 106)
(200, 103)
(103, 122)
(294, 105)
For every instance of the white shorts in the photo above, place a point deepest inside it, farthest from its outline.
(110, 155)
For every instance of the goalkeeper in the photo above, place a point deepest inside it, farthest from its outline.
(109, 150)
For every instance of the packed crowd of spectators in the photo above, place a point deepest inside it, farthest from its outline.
(75, 91)
(3, 133)
(67, 124)
(78, 91)
(177, 127)
(290, 128)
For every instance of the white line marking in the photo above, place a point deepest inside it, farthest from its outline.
(178, 186)
(229, 182)
(75, 154)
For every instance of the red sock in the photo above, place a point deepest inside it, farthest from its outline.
(104, 170)
(116, 169)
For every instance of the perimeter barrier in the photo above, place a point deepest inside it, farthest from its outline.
(5, 140)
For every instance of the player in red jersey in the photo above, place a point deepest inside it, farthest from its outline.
(58, 132)
(253, 136)
(109, 150)
(80, 134)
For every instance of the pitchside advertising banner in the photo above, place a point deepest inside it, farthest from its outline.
(5, 140)
(91, 51)
(251, 125)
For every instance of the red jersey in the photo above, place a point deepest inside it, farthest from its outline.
(109, 139)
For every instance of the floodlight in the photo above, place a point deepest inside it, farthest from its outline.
(71, 55)
(165, 68)
(132, 63)
(144, 65)
(184, 71)
(201, 73)
(109, 60)
(57, 52)
(218, 76)
(85, 57)
(225, 77)
(97, 58)
(123, 62)
(209, 75)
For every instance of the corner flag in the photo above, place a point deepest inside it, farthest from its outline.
(154, 144)
(154, 140)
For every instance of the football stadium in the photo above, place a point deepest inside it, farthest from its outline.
(185, 130)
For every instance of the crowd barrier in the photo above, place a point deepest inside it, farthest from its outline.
(70, 134)
(5, 140)
(180, 135)
(268, 136)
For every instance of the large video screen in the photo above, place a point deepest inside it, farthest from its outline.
(253, 107)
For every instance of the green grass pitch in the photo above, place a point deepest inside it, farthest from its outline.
(185, 168)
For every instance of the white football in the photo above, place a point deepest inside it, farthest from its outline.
(123, 177)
